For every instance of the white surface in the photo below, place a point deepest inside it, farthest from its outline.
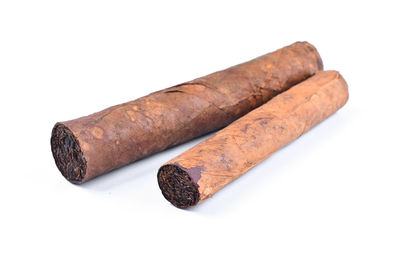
(331, 198)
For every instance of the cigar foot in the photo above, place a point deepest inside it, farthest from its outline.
(68, 154)
(177, 186)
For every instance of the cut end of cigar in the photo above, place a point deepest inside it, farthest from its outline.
(177, 186)
(68, 154)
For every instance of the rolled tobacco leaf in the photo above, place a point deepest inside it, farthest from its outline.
(201, 171)
(89, 146)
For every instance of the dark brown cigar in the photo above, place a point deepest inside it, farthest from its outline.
(89, 146)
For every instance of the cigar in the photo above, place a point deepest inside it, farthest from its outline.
(200, 172)
(90, 146)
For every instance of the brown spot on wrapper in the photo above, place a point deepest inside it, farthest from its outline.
(245, 128)
(131, 115)
(97, 132)
(262, 123)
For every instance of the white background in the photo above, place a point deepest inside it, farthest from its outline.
(331, 198)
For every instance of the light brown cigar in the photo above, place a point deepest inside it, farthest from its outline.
(200, 172)
(89, 146)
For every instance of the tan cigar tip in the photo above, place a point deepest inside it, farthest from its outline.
(68, 154)
(177, 186)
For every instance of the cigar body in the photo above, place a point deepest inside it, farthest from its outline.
(201, 171)
(89, 146)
